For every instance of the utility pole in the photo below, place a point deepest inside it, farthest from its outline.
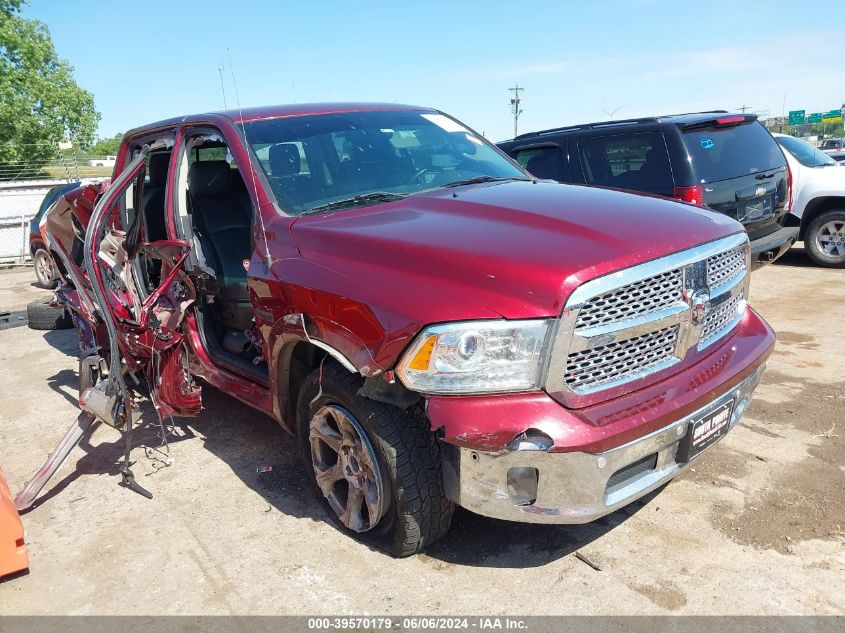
(744, 109)
(515, 109)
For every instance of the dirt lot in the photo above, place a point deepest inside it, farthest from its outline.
(758, 526)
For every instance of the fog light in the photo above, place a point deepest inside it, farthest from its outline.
(522, 485)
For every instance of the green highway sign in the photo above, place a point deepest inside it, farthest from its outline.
(816, 117)
(834, 116)
(796, 117)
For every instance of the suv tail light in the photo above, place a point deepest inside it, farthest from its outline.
(789, 186)
(689, 194)
(730, 120)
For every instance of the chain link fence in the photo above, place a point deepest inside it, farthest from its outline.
(23, 185)
(18, 205)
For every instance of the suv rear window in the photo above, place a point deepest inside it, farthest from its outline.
(731, 152)
(627, 161)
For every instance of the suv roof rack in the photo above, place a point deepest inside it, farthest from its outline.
(600, 124)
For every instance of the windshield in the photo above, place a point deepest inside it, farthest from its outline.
(805, 153)
(720, 153)
(314, 161)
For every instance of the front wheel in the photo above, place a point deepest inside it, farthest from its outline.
(377, 467)
(825, 239)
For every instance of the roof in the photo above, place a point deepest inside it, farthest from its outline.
(678, 119)
(279, 111)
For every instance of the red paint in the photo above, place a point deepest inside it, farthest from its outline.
(365, 281)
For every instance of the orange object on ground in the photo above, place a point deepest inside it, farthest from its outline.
(13, 554)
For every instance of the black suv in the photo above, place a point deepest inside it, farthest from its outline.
(726, 162)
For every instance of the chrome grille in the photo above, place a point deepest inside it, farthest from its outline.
(719, 318)
(612, 362)
(725, 266)
(633, 300)
(638, 322)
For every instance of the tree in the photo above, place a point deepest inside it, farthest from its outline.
(40, 103)
(107, 146)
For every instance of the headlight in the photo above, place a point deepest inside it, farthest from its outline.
(476, 357)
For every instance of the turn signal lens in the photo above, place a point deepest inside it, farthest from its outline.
(422, 358)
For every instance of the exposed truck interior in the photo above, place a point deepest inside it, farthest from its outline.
(216, 213)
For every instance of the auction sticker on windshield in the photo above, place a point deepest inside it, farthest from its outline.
(445, 123)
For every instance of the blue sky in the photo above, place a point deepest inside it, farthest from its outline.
(579, 61)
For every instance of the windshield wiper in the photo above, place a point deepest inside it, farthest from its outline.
(356, 201)
(478, 179)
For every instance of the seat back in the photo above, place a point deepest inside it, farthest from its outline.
(223, 222)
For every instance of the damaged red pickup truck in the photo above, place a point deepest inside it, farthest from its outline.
(435, 325)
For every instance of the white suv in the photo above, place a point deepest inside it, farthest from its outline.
(818, 200)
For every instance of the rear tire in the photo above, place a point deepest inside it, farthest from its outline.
(403, 453)
(45, 269)
(42, 316)
(824, 239)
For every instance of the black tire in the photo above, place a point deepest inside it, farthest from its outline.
(813, 236)
(43, 316)
(408, 454)
(45, 269)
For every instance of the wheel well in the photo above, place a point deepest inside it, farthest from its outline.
(34, 245)
(304, 358)
(816, 207)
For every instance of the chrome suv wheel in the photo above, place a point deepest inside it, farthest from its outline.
(825, 239)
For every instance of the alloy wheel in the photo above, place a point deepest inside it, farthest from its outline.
(831, 238)
(346, 468)
(43, 267)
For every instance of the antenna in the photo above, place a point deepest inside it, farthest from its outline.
(611, 113)
(222, 85)
(267, 260)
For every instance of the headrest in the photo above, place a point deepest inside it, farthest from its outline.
(545, 165)
(284, 159)
(372, 149)
(210, 178)
(157, 169)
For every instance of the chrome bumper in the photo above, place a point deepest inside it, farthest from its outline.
(535, 486)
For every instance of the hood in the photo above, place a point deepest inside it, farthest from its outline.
(515, 249)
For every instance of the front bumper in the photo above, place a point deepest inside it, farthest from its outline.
(536, 486)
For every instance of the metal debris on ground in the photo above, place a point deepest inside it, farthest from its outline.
(583, 558)
(9, 320)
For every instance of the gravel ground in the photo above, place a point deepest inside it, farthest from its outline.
(757, 527)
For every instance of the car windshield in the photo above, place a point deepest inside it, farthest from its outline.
(805, 153)
(323, 162)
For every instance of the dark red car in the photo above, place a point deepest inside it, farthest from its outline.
(434, 324)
